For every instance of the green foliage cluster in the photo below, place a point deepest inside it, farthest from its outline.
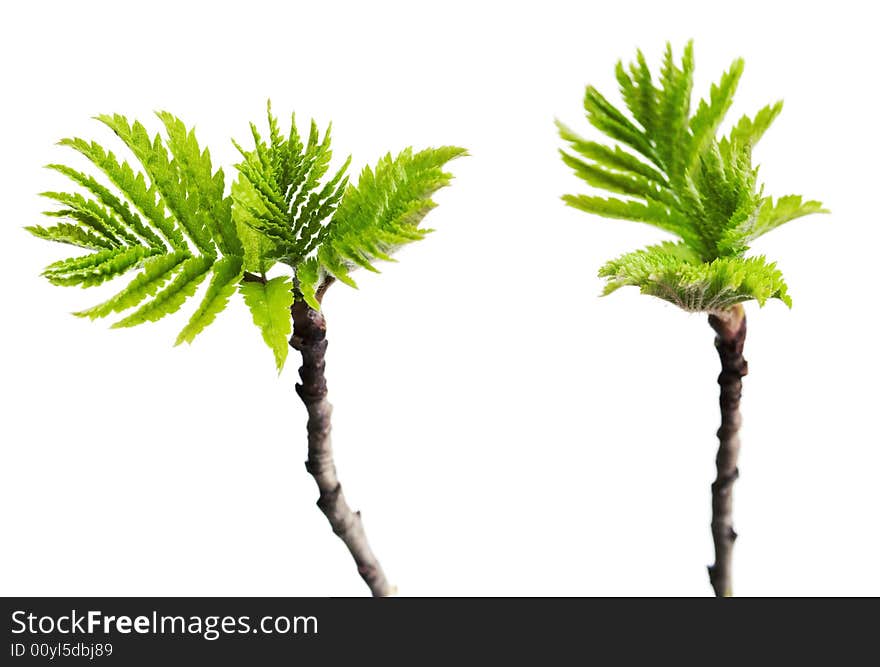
(171, 218)
(673, 172)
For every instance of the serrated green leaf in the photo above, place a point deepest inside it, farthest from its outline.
(270, 304)
(286, 202)
(91, 215)
(334, 264)
(638, 91)
(651, 212)
(98, 267)
(672, 272)
(133, 187)
(226, 274)
(308, 277)
(258, 248)
(169, 300)
(613, 158)
(203, 187)
(705, 190)
(180, 196)
(383, 211)
(704, 123)
(169, 214)
(749, 131)
(787, 208)
(157, 271)
(72, 235)
(673, 109)
(124, 222)
(166, 176)
(622, 183)
(605, 117)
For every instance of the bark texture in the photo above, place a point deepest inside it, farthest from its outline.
(730, 330)
(309, 338)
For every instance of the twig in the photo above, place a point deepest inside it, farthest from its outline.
(309, 338)
(730, 329)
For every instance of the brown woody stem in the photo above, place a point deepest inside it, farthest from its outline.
(730, 330)
(309, 338)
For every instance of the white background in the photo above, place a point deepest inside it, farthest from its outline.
(503, 429)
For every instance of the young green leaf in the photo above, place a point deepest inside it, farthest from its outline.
(383, 211)
(699, 187)
(270, 304)
(72, 235)
(169, 300)
(178, 179)
(157, 271)
(309, 276)
(170, 217)
(226, 274)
